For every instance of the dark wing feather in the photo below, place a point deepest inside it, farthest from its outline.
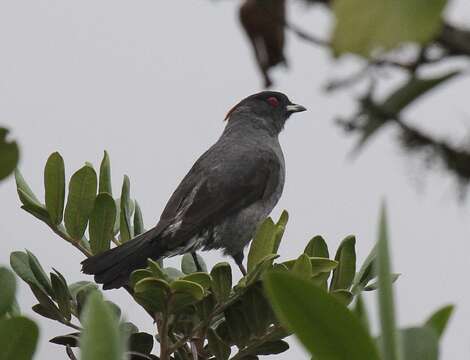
(209, 194)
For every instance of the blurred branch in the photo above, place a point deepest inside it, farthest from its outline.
(453, 158)
(305, 35)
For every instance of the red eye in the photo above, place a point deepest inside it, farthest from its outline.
(274, 102)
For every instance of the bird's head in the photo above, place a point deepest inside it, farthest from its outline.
(273, 107)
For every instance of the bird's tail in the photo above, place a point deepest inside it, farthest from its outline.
(113, 267)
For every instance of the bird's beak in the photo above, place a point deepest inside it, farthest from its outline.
(293, 108)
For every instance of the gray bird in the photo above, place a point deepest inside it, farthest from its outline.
(227, 193)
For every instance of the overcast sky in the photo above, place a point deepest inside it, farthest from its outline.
(151, 81)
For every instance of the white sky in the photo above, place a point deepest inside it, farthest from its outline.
(151, 81)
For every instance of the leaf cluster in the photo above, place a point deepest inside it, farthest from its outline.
(330, 330)
(200, 313)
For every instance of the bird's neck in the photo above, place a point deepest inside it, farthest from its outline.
(242, 123)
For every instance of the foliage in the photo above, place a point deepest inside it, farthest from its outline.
(329, 330)
(364, 26)
(18, 334)
(9, 154)
(200, 313)
(390, 37)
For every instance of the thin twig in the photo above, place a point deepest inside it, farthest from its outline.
(306, 36)
(72, 325)
(67, 238)
(162, 325)
(294, 28)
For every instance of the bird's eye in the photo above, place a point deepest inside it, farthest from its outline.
(273, 101)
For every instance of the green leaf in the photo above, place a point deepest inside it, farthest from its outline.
(321, 280)
(78, 286)
(260, 269)
(342, 295)
(366, 272)
(375, 285)
(68, 339)
(302, 267)
(19, 262)
(46, 312)
(62, 296)
(221, 281)
(420, 343)
(188, 265)
(361, 311)
(203, 279)
(18, 338)
(257, 309)
(217, 347)
(319, 265)
(153, 293)
(115, 308)
(322, 265)
(102, 223)
(317, 248)
(125, 220)
(80, 201)
(21, 184)
(363, 26)
(8, 286)
(14, 310)
(101, 338)
(322, 323)
(344, 273)
(157, 271)
(46, 303)
(237, 324)
(438, 321)
(184, 286)
(389, 339)
(280, 228)
(54, 185)
(30, 202)
(9, 154)
(263, 243)
(138, 275)
(39, 273)
(172, 274)
(117, 223)
(204, 309)
(185, 293)
(138, 220)
(141, 342)
(105, 175)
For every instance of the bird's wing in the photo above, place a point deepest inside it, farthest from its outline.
(211, 192)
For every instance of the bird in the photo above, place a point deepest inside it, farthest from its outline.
(219, 204)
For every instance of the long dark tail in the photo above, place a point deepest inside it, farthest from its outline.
(113, 267)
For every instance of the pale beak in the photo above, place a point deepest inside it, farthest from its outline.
(292, 108)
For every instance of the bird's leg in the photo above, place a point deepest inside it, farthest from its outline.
(239, 261)
(196, 261)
